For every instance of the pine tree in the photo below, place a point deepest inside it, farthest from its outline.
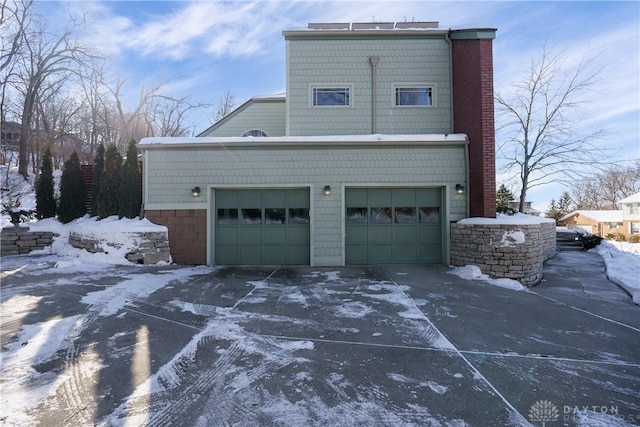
(72, 191)
(564, 204)
(130, 195)
(98, 169)
(45, 197)
(552, 211)
(109, 183)
(504, 200)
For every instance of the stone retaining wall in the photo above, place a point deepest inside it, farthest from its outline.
(513, 251)
(149, 247)
(21, 241)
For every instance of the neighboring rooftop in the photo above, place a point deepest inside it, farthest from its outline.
(598, 216)
(634, 198)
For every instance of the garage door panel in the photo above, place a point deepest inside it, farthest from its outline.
(429, 254)
(298, 236)
(405, 254)
(429, 235)
(380, 235)
(249, 254)
(405, 235)
(357, 234)
(379, 197)
(380, 254)
(262, 226)
(274, 254)
(393, 225)
(227, 254)
(274, 235)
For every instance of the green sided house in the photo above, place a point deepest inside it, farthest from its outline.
(385, 135)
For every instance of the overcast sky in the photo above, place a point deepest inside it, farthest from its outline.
(206, 48)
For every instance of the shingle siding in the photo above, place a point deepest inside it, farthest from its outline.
(346, 61)
(172, 172)
(268, 116)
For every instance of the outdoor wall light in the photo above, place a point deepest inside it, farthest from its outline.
(327, 190)
(459, 188)
(195, 191)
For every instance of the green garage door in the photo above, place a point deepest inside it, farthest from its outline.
(393, 225)
(262, 226)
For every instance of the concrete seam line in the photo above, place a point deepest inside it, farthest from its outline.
(587, 312)
(164, 318)
(553, 358)
(477, 373)
(254, 288)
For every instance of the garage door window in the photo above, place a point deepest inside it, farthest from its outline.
(405, 215)
(227, 216)
(274, 216)
(429, 214)
(251, 216)
(381, 215)
(356, 215)
(298, 216)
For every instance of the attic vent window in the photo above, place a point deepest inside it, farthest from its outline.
(255, 132)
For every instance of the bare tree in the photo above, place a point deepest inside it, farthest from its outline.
(225, 106)
(604, 189)
(14, 19)
(46, 64)
(168, 116)
(544, 142)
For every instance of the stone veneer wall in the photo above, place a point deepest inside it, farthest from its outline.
(150, 247)
(21, 241)
(513, 251)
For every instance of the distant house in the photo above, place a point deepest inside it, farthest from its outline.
(595, 222)
(631, 214)
(528, 209)
(10, 134)
(384, 137)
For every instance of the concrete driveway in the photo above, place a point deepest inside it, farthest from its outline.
(294, 346)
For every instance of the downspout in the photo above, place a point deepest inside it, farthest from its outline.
(373, 60)
(451, 116)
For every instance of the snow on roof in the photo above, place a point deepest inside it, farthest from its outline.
(294, 140)
(598, 216)
(634, 198)
(515, 219)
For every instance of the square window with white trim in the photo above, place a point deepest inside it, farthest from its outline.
(330, 96)
(413, 95)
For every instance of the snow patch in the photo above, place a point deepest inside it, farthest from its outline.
(512, 238)
(473, 272)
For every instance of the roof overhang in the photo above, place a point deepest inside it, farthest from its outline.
(326, 141)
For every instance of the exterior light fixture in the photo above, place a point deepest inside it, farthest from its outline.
(195, 191)
(327, 190)
(459, 188)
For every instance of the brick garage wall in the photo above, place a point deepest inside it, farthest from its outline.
(504, 250)
(473, 113)
(187, 233)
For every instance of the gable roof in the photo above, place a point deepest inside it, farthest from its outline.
(634, 198)
(279, 97)
(598, 216)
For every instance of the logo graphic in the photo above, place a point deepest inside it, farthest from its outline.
(543, 411)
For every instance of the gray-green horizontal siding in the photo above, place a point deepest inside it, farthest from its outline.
(267, 116)
(170, 173)
(346, 61)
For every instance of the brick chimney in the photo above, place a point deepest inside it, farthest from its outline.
(473, 113)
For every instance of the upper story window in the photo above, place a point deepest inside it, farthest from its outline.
(634, 208)
(334, 96)
(413, 95)
(255, 132)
